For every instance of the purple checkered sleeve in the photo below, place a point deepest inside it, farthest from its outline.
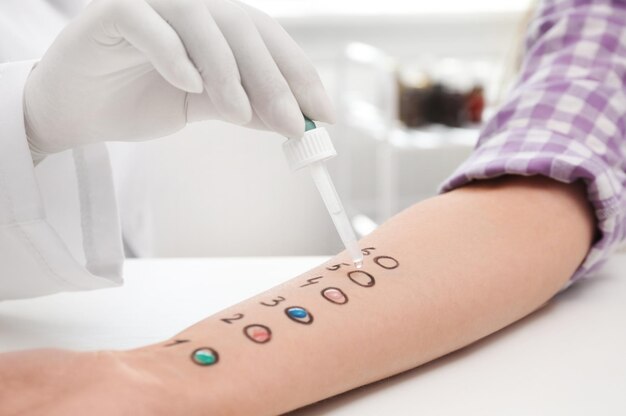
(565, 118)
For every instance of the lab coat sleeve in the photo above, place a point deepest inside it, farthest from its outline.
(565, 117)
(59, 227)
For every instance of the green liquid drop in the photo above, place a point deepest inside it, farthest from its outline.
(204, 357)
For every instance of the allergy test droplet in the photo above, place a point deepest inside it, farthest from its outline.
(205, 356)
(299, 314)
(335, 295)
(258, 333)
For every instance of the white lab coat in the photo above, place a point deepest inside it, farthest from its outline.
(59, 224)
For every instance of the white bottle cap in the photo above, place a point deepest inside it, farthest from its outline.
(314, 146)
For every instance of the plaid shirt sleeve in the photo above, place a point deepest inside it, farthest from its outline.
(565, 118)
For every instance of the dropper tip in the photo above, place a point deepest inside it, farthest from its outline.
(358, 264)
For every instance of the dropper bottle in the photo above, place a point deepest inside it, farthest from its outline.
(312, 150)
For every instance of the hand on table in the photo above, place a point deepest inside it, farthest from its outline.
(141, 69)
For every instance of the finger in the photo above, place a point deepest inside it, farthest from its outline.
(267, 89)
(295, 66)
(211, 55)
(200, 108)
(142, 27)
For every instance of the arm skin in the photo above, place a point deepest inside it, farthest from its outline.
(470, 262)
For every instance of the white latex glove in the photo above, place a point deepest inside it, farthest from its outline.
(140, 69)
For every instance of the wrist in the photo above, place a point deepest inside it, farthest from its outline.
(159, 375)
(148, 380)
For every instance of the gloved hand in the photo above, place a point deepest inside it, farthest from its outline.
(140, 69)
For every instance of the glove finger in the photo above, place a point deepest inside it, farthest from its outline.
(295, 66)
(211, 54)
(200, 108)
(142, 27)
(267, 89)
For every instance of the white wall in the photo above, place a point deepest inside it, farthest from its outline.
(224, 190)
(220, 190)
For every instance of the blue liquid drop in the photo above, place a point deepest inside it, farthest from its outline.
(297, 313)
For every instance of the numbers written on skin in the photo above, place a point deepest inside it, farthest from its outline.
(262, 334)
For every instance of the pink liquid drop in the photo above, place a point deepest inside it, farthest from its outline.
(335, 296)
(258, 333)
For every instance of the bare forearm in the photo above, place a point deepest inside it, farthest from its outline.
(437, 277)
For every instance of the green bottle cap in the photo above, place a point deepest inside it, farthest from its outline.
(309, 124)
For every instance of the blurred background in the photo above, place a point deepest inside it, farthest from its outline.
(412, 82)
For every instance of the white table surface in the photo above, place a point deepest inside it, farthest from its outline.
(567, 359)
